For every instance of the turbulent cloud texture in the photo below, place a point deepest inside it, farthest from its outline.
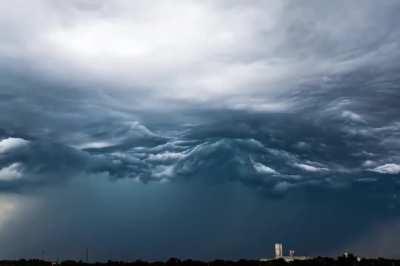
(125, 114)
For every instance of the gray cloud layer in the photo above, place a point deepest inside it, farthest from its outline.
(289, 104)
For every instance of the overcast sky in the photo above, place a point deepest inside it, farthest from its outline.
(202, 129)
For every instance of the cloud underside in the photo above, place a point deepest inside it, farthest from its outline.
(198, 128)
(272, 95)
(257, 151)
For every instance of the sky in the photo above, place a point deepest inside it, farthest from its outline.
(199, 129)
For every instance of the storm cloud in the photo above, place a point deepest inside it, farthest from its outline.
(124, 114)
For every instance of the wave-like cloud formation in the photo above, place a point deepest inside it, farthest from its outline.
(289, 100)
(258, 157)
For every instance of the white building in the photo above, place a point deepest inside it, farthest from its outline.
(279, 255)
(278, 250)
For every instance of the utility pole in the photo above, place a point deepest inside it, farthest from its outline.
(87, 255)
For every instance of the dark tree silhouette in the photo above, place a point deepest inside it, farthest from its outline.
(349, 260)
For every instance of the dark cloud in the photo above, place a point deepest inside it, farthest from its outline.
(225, 220)
(198, 129)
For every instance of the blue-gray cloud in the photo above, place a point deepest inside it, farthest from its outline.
(293, 105)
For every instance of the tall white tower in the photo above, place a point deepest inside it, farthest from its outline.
(278, 250)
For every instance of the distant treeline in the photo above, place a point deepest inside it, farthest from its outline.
(318, 261)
